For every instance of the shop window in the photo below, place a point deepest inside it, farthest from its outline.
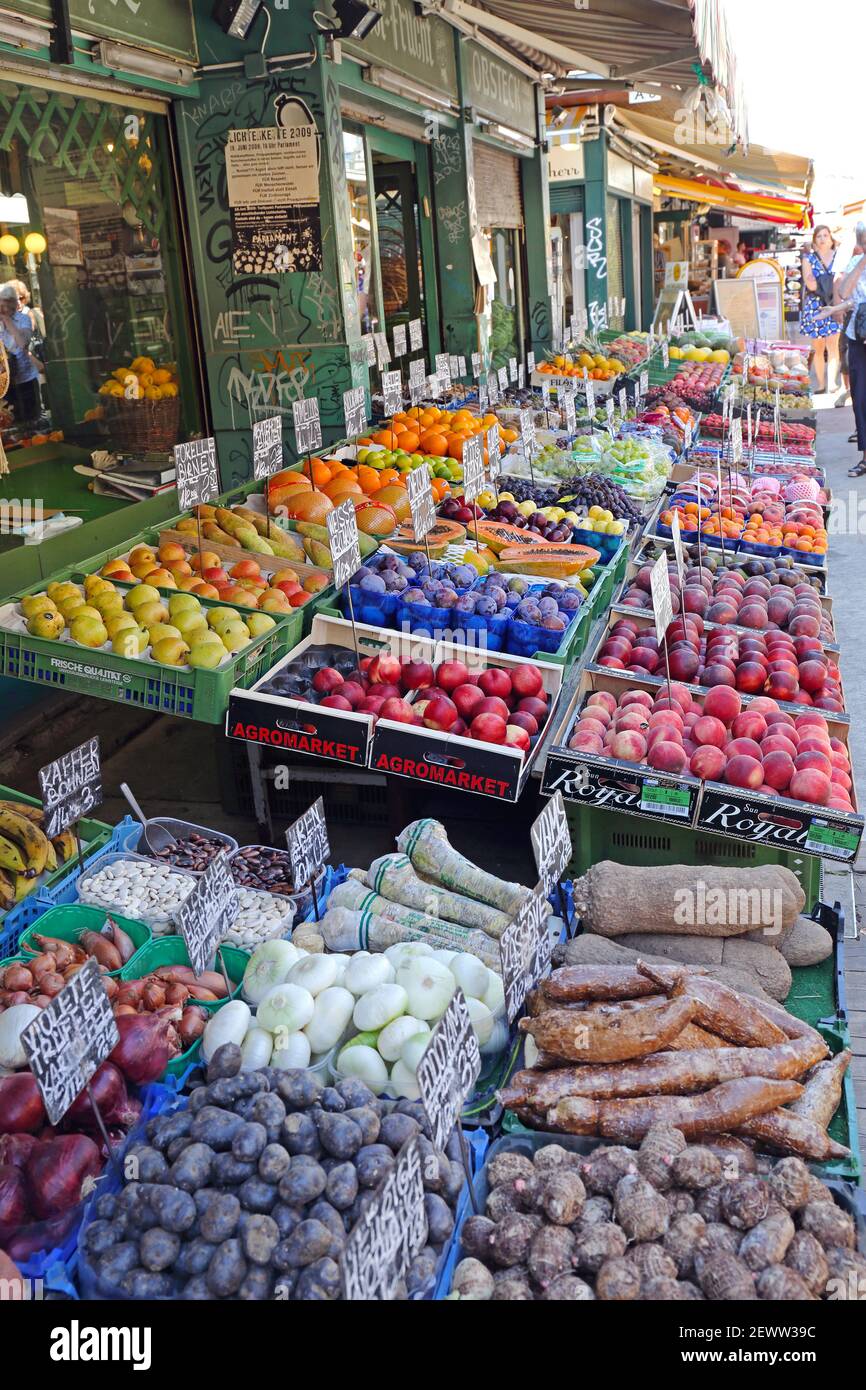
(504, 305)
(362, 236)
(99, 263)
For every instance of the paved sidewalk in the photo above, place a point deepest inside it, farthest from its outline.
(847, 583)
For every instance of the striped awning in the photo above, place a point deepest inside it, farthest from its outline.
(791, 211)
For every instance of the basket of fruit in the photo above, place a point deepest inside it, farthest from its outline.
(143, 406)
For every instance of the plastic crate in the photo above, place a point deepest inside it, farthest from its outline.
(56, 1263)
(69, 921)
(59, 886)
(190, 694)
(600, 834)
(356, 799)
(843, 1126)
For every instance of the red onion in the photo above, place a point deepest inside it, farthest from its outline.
(15, 1149)
(13, 1200)
(143, 1052)
(58, 1174)
(109, 1089)
(21, 1108)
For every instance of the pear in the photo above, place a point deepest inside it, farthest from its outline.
(234, 635)
(119, 622)
(142, 593)
(46, 623)
(62, 589)
(159, 632)
(206, 655)
(219, 617)
(94, 585)
(171, 651)
(189, 622)
(259, 623)
(130, 641)
(149, 614)
(31, 604)
(90, 632)
(108, 603)
(183, 603)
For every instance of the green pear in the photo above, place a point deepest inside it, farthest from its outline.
(259, 624)
(206, 655)
(143, 593)
(183, 603)
(234, 636)
(218, 617)
(130, 641)
(171, 651)
(188, 622)
(90, 632)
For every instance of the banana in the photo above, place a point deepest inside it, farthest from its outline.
(23, 808)
(51, 861)
(11, 856)
(7, 890)
(23, 886)
(27, 837)
(65, 845)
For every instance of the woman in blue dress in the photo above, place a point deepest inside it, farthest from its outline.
(823, 332)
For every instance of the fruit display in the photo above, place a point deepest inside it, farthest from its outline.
(670, 1221)
(141, 623)
(766, 397)
(26, 853)
(696, 384)
(211, 575)
(578, 493)
(508, 707)
(795, 436)
(598, 366)
(694, 346)
(722, 522)
(787, 370)
(771, 598)
(435, 436)
(795, 666)
(758, 747)
(276, 1174)
(143, 379)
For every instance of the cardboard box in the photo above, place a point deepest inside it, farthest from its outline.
(639, 558)
(403, 750)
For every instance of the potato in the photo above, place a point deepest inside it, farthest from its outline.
(229, 1171)
(341, 1187)
(256, 1195)
(338, 1135)
(268, 1110)
(274, 1163)
(142, 1284)
(299, 1089)
(303, 1183)
(440, 1220)
(260, 1237)
(117, 1262)
(193, 1169)
(227, 1269)
(194, 1257)
(248, 1142)
(158, 1249)
(300, 1135)
(215, 1127)
(373, 1162)
(219, 1220)
(174, 1210)
(395, 1130)
(226, 1061)
(258, 1285)
(319, 1282)
(330, 1217)
(365, 1117)
(309, 1241)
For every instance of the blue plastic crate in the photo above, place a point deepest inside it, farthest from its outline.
(56, 1266)
(30, 909)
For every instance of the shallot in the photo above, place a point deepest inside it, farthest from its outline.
(144, 1050)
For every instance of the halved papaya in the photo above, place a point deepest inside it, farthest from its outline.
(443, 534)
(552, 561)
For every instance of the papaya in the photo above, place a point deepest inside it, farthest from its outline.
(548, 561)
(496, 535)
(443, 534)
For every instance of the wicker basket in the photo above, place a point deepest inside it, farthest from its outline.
(5, 376)
(143, 426)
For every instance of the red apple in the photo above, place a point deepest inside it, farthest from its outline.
(489, 728)
(440, 713)
(416, 674)
(708, 762)
(497, 682)
(450, 674)
(525, 680)
(326, 680)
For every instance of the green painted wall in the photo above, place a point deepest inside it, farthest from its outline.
(536, 217)
(595, 225)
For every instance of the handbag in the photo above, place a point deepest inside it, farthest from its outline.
(824, 287)
(860, 323)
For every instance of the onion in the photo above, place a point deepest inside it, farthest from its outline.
(291, 1050)
(256, 1049)
(364, 972)
(64, 953)
(288, 1006)
(379, 1007)
(42, 965)
(413, 1050)
(109, 1090)
(206, 996)
(176, 994)
(12, 1024)
(143, 1052)
(153, 996)
(124, 943)
(15, 1149)
(17, 977)
(124, 1010)
(470, 974)
(212, 980)
(395, 1034)
(314, 973)
(404, 1082)
(59, 1174)
(191, 1026)
(365, 1063)
(102, 950)
(331, 1016)
(268, 966)
(52, 983)
(428, 984)
(13, 1200)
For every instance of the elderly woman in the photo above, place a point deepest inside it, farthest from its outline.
(16, 330)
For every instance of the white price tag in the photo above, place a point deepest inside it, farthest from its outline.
(660, 588)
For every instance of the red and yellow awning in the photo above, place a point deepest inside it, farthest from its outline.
(768, 206)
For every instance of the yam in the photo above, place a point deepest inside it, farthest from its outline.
(514, 1289)
(768, 966)
(722, 1107)
(767, 1242)
(778, 1284)
(576, 984)
(588, 949)
(599, 1038)
(718, 1008)
(508, 1167)
(679, 1204)
(693, 1039)
(823, 1090)
(789, 1133)
(613, 899)
(476, 1236)
(805, 1256)
(807, 943)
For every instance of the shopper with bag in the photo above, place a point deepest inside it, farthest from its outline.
(850, 292)
(817, 268)
(16, 330)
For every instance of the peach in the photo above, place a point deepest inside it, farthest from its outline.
(583, 726)
(604, 697)
(667, 756)
(598, 712)
(660, 734)
(708, 762)
(809, 784)
(630, 719)
(814, 759)
(636, 697)
(776, 744)
(749, 724)
(709, 730)
(743, 747)
(629, 746)
(778, 769)
(745, 772)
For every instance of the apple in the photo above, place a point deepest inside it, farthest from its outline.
(515, 737)
(707, 762)
(525, 680)
(416, 674)
(441, 713)
(396, 708)
(326, 680)
(385, 669)
(450, 674)
(487, 727)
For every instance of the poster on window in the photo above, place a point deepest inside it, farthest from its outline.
(63, 234)
(272, 174)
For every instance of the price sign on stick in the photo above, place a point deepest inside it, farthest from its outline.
(473, 467)
(207, 913)
(622, 397)
(660, 588)
(461, 366)
(570, 414)
(449, 1068)
(502, 375)
(551, 843)
(344, 543)
(589, 388)
(309, 848)
(483, 396)
(476, 365)
(512, 369)
(545, 394)
(421, 502)
(521, 376)
(369, 344)
(530, 362)
(643, 382)
(453, 365)
(267, 446)
(609, 410)
(416, 336)
(399, 336)
(527, 432)
(736, 441)
(392, 392)
(70, 787)
(383, 352)
(493, 388)
(69, 1039)
(494, 447)
(389, 1233)
(443, 370)
(434, 387)
(524, 952)
(355, 411)
(666, 353)
(308, 428)
(197, 474)
(678, 545)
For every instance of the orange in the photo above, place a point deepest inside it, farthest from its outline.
(409, 441)
(368, 478)
(342, 487)
(387, 438)
(455, 448)
(319, 472)
(387, 476)
(436, 443)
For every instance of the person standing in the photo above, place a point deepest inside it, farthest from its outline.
(16, 330)
(817, 269)
(850, 291)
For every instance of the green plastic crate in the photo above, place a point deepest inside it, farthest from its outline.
(200, 695)
(68, 921)
(843, 1126)
(94, 834)
(598, 834)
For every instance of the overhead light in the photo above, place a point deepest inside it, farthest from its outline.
(390, 81)
(507, 135)
(236, 17)
(9, 245)
(122, 59)
(14, 31)
(13, 208)
(357, 19)
(35, 243)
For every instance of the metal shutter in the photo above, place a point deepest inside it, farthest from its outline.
(566, 197)
(615, 278)
(498, 196)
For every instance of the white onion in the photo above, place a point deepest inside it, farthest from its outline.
(377, 1008)
(429, 986)
(470, 974)
(256, 1049)
(364, 972)
(314, 973)
(268, 965)
(403, 951)
(228, 1025)
(482, 1020)
(366, 1063)
(287, 1006)
(413, 1050)
(13, 1022)
(290, 1050)
(494, 994)
(331, 1016)
(404, 1081)
(396, 1033)
(444, 957)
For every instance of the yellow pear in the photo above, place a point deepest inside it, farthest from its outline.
(130, 641)
(119, 622)
(94, 585)
(170, 652)
(142, 593)
(259, 624)
(183, 603)
(108, 603)
(151, 613)
(61, 589)
(218, 617)
(234, 635)
(46, 623)
(37, 603)
(69, 606)
(90, 632)
(158, 632)
(189, 623)
(206, 656)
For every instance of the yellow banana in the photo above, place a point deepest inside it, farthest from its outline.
(11, 856)
(7, 890)
(51, 861)
(28, 837)
(23, 886)
(65, 845)
(23, 808)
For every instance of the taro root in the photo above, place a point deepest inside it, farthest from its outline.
(514, 1289)
(847, 1273)
(598, 1243)
(550, 1254)
(818, 1192)
(505, 1198)
(725, 1279)
(561, 1196)
(595, 1210)
(472, 1281)
(506, 1167)
(681, 1241)
(617, 1281)
(697, 1168)
(602, 1170)
(716, 1240)
(651, 1262)
(829, 1224)
(476, 1237)
(554, 1156)
(669, 1291)
(807, 1259)
(640, 1210)
(655, 1158)
(779, 1284)
(767, 1243)
(708, 1203)
(745, 1202)
(679, 1204)
(790, 1183)
(512, 1238)
(568, 1288)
